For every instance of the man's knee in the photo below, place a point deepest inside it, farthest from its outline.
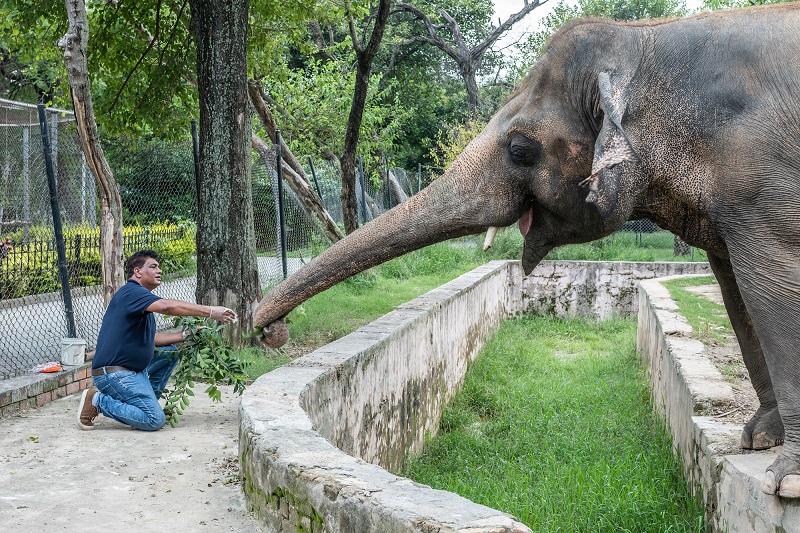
(155, 421)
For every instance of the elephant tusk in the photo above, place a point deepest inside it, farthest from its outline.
(490, 233)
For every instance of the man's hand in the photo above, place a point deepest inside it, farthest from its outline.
(223, 314)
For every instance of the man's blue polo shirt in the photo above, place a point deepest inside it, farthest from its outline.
(127, 336)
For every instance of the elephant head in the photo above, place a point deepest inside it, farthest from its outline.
(548, 159)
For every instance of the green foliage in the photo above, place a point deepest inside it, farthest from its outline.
(142, 60)
(32, 267)
(713, 5)
(554, 425)
(318, 97)
(156, 179)
(450, 142)
(31, 62)
(205, 357)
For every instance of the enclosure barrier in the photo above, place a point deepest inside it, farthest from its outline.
(319, 437)
(685, 383)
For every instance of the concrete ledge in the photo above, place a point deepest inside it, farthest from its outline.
(30, 391)
(685, 384)
(319, 436)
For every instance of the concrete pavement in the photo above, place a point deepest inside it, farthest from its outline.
(57, 477)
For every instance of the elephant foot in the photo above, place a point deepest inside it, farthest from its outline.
(764, 430)
(783, 478)
(275, 334)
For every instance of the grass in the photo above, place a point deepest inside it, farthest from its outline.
(554, 425)
(708, 319)
(623, 246)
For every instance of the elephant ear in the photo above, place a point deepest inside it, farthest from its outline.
(611, 148)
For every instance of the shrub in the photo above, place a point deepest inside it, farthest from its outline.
(32, 266)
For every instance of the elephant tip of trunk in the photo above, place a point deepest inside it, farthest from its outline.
(275, 335)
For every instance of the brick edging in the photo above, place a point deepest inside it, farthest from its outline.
(30, 391)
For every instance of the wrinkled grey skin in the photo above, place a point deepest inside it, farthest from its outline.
(691, 123)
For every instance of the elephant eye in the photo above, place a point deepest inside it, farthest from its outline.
(524, 151)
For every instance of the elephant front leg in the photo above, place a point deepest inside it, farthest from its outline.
(765, 428)
(769, 283)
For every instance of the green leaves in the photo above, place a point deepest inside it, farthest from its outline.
(204, 357)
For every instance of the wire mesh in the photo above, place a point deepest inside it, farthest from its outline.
(158, 189)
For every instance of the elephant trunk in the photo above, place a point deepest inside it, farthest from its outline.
(452, 206)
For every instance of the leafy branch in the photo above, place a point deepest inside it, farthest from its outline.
(204, 357)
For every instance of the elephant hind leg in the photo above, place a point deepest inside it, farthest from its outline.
(765, 428)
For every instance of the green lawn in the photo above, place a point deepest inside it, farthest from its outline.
(554, 425)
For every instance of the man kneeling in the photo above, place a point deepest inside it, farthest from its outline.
(129, 376)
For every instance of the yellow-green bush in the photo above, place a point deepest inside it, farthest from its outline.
(32, 266)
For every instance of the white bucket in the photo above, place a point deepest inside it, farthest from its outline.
(73, 351)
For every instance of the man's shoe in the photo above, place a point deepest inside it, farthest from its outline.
(86, 411)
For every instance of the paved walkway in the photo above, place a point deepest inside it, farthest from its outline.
(56, 477)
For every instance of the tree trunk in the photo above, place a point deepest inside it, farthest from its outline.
(680, 247)
(398, 194)
(294, 172)
(471, 84)
(227, 268)
(75, 45)
(348, 160)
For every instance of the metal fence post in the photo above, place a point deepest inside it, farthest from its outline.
(281, 217)
(419, 177)
(314, 175)
(26, 182)
(57, 229)
(78, 249)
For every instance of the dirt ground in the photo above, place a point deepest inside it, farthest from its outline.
(57, 477)
(727, 357)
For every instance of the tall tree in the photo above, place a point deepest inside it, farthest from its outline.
(365, 54)
(227, 268)
(468, 59)
(75, 44)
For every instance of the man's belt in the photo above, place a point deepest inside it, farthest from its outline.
(108, 370)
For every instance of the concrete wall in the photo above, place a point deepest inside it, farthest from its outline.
(685, 385)
(29, 391)
(318, 435)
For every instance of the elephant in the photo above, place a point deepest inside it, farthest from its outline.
(691, 123)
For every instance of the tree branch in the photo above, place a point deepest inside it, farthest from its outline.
(432, 30)
(479, 50)
(294, 172)
(151, 42)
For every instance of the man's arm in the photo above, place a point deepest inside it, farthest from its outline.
(166, 306)
(165, 339)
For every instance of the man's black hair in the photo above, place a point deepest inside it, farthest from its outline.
(138, 260)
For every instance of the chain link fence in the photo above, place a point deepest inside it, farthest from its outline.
(158, 188)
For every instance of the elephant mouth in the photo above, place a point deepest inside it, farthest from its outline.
(524, 223)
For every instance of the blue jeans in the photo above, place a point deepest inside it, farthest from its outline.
(132, 397)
